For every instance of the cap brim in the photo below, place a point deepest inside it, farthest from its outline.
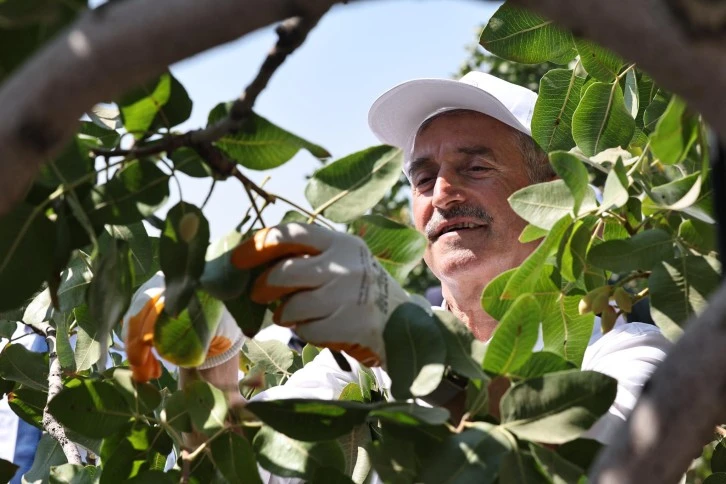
(396, 116)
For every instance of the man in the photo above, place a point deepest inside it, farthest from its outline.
(467, 148)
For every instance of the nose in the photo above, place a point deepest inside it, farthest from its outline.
(446, 192)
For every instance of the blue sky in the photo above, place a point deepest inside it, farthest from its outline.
(323, 91)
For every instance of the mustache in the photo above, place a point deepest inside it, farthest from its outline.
(441, 216)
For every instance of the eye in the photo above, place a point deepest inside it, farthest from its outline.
(421, 180)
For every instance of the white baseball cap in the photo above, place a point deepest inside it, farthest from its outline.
(397, 114)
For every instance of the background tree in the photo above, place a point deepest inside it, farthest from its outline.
(73, 231)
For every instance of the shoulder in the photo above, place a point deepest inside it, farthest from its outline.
(627, 342)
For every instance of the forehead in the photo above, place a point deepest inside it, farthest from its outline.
(462, 126)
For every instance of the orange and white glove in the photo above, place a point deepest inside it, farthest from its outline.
(138, 327)
(333, 291)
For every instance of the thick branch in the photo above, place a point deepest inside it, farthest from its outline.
(104, 54)
(55, 385)
(679, 407)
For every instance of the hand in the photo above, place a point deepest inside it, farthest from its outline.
(138, 330)
(333, 291)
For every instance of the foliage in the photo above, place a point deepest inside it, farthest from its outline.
(75, 248)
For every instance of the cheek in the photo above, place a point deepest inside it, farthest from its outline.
(421, 213)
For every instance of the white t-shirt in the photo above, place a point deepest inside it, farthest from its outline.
(629, 353)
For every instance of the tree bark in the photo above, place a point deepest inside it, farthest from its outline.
(105, 53)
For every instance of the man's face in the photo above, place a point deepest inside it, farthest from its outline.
(464, 167)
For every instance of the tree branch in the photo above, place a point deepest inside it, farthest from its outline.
(107, 52)
(55, 385)
(678, 409)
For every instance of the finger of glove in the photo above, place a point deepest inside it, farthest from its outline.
(140, 332)
(336, 335)
(152, 288)
(306, 306)
(286, 240)
(292, 275)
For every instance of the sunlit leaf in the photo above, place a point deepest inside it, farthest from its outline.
(599, 62)
(559, 94)
(520, 35)
(513, 339)
(602, 120)
(261, 145)
(207, 406)
(91, 408)
(350, 186)
(235, 459)
(557, 407)
(24, 366)
(544, 204)
(570, 169)
(642, 251)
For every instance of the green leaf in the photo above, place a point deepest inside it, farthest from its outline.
(207, 406)
(631, 94)
(697, 234)
(142, 397)
(600, 63)
(27, 242)
(136, 447)
(581, 452)
(566, 332)
(248, 314)
(397, 248)
(177, 412)
(572, 253)
(559, 470)
(473, 455)
(642, 251)
(541, 363)
(141, 248)
(522, 36)
(646, 92)
(674, 134)
(532, 232)
(70, 166)
(718, 459)
(98, 135)
(352, 392)
(679, 289)
(261, 145)
(40, 309)
(559, 95)
(601, 120)
(269, 356)
(515, 336)
(464, 353)
(683, 194)
(410, 414)
(573, 173)
(716, 478)
(88, 345)
(176, 109)
(287, 457)
(615, 193)
(519, 467)
(309, 352)
(544, 204)
(220, 278)
(529, 271)
(415, 352)
(73, 474)
(188, 161)
(557, 407)
(92, 408)
(655, 110)
(182, 250)
(7, 470)
(109, 294)
(48, 454)
(28, 404)
(234, 458)
(63, 345)
(394, 459)
(140, 106)
(24, 366)
(350, 186)
(134, 193)
(184, 339)
(74, 283)
(311, 420)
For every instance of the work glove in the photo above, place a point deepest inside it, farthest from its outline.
(332, 290)
(212, 344)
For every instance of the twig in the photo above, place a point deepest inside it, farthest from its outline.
(55, 385)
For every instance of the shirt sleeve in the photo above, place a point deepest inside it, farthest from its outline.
(629, 353)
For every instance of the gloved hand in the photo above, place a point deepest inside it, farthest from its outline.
(333, 291)
(138, 327)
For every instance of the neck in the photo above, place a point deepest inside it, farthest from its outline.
(465, 303)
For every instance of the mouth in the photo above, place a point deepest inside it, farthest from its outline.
(456, 228)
